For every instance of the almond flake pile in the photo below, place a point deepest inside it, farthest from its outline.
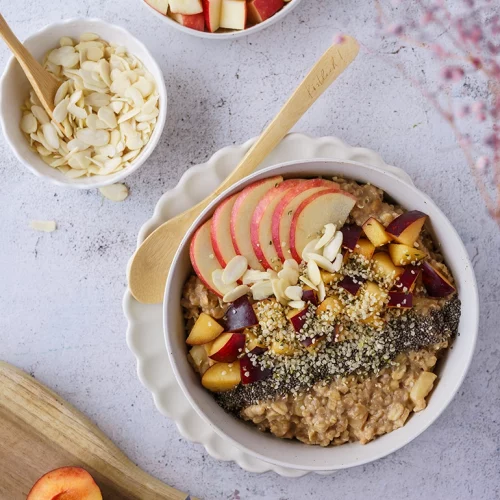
(107, 105)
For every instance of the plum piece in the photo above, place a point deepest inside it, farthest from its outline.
(400, 300)
(376, 232)
(352, 285)
(298, 318)
(406, 282)
(251, 373)
(310, 295)
(406, 228)
(227, 347)
(222, 377)
(240, 315)
(435, 283)
(351, 234)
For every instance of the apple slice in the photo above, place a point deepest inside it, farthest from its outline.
(298, 318)
(66, 482)
(203, 257)
(220, 231)
(233, 14)
(260, 10)
(436, 284)
(402, 255)
(406, 228)
(285, 210)
(186, 7)
(365, 248)
(227, 347)
(222, 377)
(311, 216)
(251, 373)
(376, 232)
(193, 21)
(351, 234)
(400, 300)
(240, 315)
(352, 285)
(204, 330)
(241, 218)
(212, 11)
(261, 224)
(160, 6)
(406, 281)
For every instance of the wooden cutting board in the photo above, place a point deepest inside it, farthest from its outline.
(39, 431)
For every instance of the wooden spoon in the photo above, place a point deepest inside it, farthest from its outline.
(43, 83)
(151, 262)
(39, 431)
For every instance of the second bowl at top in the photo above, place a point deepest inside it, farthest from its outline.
(202, 18)
(15, 89)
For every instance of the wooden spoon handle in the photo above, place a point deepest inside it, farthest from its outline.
(44, 84)
(39, 411)
(331, 64)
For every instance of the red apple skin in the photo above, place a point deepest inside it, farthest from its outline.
(153, 7)
(230, 351)
(281, 207)
(192, 256)
(239, 316)
(310, 296)
(209, 7)
(251, 373)
(193, 21)
(260, 10)
(351, 234)
(408, 279)
(220, 229)
(400, 300)
(239, 204)
(350, 285)
(296, 217)
(299, 319)
(435, 283)
(268, 200)
(403, 222)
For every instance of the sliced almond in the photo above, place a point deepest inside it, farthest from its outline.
(327, 236)
(321, 291)
(331, 250)
(236, 293)
(253, 276)
(219, 284)
(297, 304)
(308, 282)
(291, 276)
(46, 226)
(337, 263)
(308, 249)
(115, 192)
(29, 123)
(262, 290)
(294, 292)
(235, 269)
(321, 262)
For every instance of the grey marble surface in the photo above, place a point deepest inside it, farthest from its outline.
(60, 293)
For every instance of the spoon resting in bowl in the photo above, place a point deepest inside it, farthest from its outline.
(43, 83)
(151, 262)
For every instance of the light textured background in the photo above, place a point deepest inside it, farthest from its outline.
(60, 293)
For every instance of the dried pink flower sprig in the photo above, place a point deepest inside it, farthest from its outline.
(466, 41)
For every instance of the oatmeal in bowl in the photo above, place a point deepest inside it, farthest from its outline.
(319, 311)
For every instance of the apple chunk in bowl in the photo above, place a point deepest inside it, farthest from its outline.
(324, 265)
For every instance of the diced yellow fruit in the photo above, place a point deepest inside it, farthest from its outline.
(329, 278)
(364, 248)
(222, 377)
(252, 341)
(204, 330)
(331, 304)
(282, 349)
(384, 267)
(376, 233)
(403, 255)
(317, 342)
(374, 295)
(199, 357)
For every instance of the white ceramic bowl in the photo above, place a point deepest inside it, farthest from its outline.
(14, 88)
(294, 454)
(229, 35)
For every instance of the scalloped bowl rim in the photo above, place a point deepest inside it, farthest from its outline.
(296, 455)
(151, 65)
(229, 35)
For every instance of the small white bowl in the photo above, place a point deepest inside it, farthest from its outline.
(293, 454)
(229, 35)
(14, 89)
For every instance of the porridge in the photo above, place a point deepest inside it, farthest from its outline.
(318, 309)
